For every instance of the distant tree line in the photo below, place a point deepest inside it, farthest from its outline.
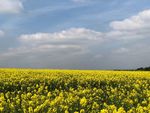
(138, 69)
(143, 69)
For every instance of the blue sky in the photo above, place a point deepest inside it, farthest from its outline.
(74, 34)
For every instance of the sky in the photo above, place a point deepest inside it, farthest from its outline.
(75, 34)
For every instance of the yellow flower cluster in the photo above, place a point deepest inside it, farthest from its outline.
(74, 91)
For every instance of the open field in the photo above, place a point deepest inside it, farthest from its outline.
(74, 91)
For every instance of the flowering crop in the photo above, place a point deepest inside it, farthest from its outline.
(74, 91)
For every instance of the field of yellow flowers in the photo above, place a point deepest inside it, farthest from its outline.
(74, 91)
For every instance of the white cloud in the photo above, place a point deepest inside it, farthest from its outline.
(10, 6)
(83, 1)
(80, 45)
(73, 39)
(98, 56)
(80, 0)
(1, 33)
(63, 45)
(140, 21)
(72, 34)
(39, 49)
(122, 50)
(132, 28)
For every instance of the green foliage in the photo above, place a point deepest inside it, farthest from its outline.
(64, 91)
(143, 69)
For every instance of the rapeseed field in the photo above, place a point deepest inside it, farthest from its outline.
(74, 91)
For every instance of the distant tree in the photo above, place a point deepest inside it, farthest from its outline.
(144, 68)
(141, 68)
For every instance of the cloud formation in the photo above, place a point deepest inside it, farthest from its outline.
(137, 22)
(74, 34)
(125, 44)
(73, 40)
(80, 0)
(135, 27)
(10, 6)
(1, 33)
